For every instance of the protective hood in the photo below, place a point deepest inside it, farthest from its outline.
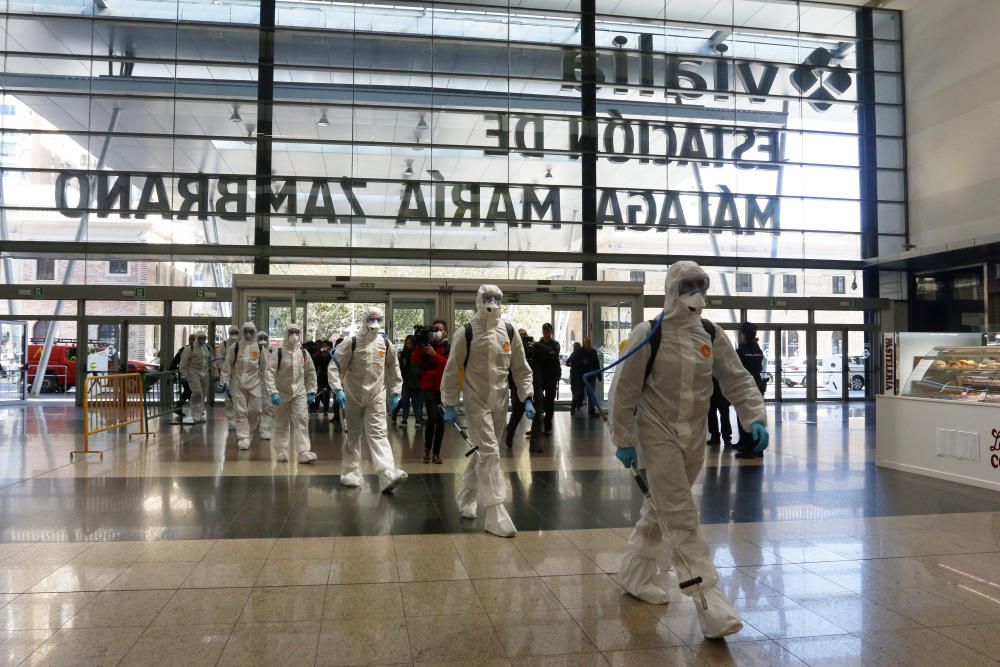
(689, 304)
(485, 310)
(262, 337)
(234, 333)
(293, 337)
(201, 337)
(249, 331)
(368, 329)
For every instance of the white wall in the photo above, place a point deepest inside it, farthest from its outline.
(952, 63)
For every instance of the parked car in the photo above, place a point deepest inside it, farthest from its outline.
(828, 369)
(60, 373)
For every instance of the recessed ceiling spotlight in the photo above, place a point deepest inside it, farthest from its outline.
(421, 124)
(323, 120)
(236, 117)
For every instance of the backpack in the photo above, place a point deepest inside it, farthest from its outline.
(468, 339)
(236, 353)
(468, 348)
(654, 344)
(301, 349)
(354, 346)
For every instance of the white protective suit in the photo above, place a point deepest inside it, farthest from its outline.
(364, 365)
(266, 409)
(245, 371)
(493, 355)
(292, 377)
(196, 368)
(222, 354)
(666, 423)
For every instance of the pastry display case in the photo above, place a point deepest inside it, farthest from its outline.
(969, 374)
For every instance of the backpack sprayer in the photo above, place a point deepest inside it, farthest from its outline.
(692, 580)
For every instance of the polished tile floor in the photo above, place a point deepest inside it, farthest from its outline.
(185, 551)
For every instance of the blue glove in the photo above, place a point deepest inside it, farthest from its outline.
(529, 409)
(393, 402)
(311, 397)
(275, 398)
(627, 456)
(341, 398)
(760, 436)
(449, 414)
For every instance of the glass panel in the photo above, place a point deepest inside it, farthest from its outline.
(144, 348)
(794, 371)
(860, 367)
(59, 377)
(830, 364)
(613, 329)
(766, 338)
(778, 316)
(13, 361)
(568, 325)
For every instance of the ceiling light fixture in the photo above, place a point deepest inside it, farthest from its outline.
(236, 117)
(421, 124)
(323, 120)
(548, 172)
(408, 172)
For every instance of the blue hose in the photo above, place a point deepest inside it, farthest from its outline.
(599, 371)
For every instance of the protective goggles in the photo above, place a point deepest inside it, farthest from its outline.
(250, 330)
(692, 285)
(294, 332)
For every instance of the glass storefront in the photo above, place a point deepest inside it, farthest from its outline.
(628, 134)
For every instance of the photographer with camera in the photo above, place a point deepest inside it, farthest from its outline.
(430, 354)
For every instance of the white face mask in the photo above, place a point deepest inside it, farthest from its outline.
(491, 306)
(374, 325)
(293, 339)
(694, 302)
(437, 336)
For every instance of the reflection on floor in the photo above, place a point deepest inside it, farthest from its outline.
(185, 551)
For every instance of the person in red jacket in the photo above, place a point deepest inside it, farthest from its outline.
(431, 358)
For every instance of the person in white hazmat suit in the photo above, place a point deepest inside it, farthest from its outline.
(266, 409)
(292, 386)
(663, 416)
(363, 366)
(220, 360)
(494, 352)
(196, 368)
(243, 376)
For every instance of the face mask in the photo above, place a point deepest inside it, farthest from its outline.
(374, 325)
(694, 302)
(202, 341)
(492, 306)
(437, 336)
(234, 334)
(293, 339)
(248, 335)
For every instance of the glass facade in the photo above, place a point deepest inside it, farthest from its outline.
(533, 139)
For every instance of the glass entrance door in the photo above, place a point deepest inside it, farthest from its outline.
(13, 362)
(569, 325)
(614, 323)
(408, 313)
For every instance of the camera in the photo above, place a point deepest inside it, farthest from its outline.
(422, 335)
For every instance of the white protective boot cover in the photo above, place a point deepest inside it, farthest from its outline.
(351, 479)
(307, 457)
(243, 444)
(282, 457)
(640, 577)
(467, 505)
(390, 479)
(721, 618)
(498, 522)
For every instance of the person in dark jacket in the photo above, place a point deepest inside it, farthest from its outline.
(322, 355)
(752, 358)
(516, 404)
(412, 393)
(718, 413)
(335, 419)
(546, 353)
(431, 359)
(175, 365)
(583, 360)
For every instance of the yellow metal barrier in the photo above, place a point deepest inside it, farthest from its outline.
(109, 402)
